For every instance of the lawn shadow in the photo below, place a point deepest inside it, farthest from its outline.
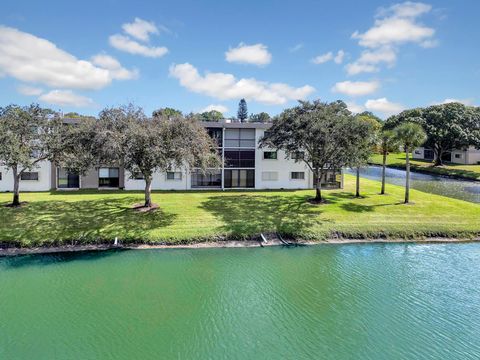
(247, 215)
(75, 222)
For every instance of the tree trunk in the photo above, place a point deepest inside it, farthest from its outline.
(384, 166)
(318, 187)
(357, 187)
(407, 180)
(16, 187)
(148, 191)
(438, 156)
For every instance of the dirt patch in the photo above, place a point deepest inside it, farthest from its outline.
(313, 201)
(143, 209)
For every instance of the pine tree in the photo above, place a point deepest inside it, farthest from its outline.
(242, 113)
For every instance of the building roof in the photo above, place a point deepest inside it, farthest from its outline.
(229, 124)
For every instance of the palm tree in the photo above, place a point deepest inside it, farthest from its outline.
(411, 136)
(388, 142)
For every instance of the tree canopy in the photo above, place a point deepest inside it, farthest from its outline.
(448, 126)
(28, 136)
(327, 133)
(167, 113)
(262, 117)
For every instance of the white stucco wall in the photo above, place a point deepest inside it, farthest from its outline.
(282, 167)
(159, 182)
(42, 184)
(418, 153)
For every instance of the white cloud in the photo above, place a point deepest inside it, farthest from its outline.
(393, 31)
(220, 108)
(124, 43)
(32, 59)
(358, 68)
(356, 88)
(66, 98)
(355, 108)
(338, 59)
(384, 106)
(140, 29)
(451, 100)
(225, 86)
(249, 54)
(296, 47)
(29, 90)
(113, 65)
(406, 9)
(393, 27)
(369, 60)
(321, 59)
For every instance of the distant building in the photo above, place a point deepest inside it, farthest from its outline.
(469, 156)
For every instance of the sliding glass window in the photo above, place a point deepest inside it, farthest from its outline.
(211, 178)
(108, 177)
(239, 178)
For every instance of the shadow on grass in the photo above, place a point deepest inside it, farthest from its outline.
(88, 221)
(246, 215)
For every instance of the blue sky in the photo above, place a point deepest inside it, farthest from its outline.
(378, 55)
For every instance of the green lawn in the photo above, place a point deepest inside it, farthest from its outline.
(88, 217)
(398, 160)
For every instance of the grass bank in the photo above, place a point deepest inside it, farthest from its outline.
(397, 160)
(62, 218)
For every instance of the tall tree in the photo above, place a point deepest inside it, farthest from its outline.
(28, 136)
(388, 142)
(410, 135)
(448, 126)
(145, 146)
(262, 117)
(212, 115)
(242, 113)
(368, 137)
(327, 134)
(167, 112)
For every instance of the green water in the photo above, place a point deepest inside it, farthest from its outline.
(395, 301)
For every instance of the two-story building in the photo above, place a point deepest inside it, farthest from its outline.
(244, 166)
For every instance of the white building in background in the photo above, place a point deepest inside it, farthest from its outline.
(469, 156)
(245, 166)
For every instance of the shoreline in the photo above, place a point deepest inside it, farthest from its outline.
(420, 170)
(5, 252)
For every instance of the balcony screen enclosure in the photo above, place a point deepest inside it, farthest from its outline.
(211, 178)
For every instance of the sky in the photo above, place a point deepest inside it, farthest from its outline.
(194, 56)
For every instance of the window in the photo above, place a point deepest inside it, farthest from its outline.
(417, 152)
(270, 155)
(108, 177)
(240, 137)
(297, 175)
(299, 155)
(174, 175)
(0, 176)
(29, 176)
(269, 176)
(67, 180)
(239, 178)
(239, 158)
(458, 156)
(428, 154)
(211, 178)
(138, 176)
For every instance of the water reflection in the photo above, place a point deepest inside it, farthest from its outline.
(459, 189)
